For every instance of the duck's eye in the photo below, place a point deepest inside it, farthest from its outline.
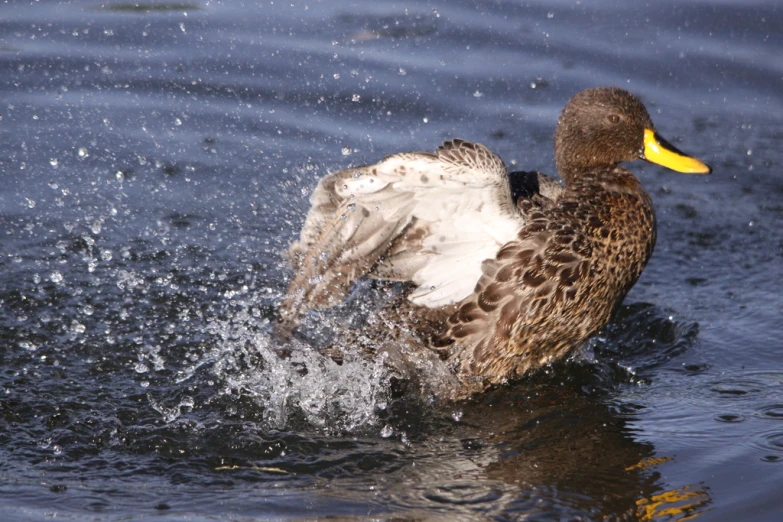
(613, 118)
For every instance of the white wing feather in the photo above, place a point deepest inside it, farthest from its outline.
(427, 218)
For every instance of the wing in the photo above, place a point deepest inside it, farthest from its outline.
(530, 287)
(427, 218)
(532, 185)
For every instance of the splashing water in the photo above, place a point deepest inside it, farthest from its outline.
(248, 361)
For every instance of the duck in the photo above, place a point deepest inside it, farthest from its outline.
(505, 272)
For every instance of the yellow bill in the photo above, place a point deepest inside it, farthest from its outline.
(658, 150)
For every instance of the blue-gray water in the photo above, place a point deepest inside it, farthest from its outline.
(156, 160)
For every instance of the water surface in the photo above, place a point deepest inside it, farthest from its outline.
(156, 160)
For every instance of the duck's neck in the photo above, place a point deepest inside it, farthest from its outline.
(574, 169)
(609, 178)
(622, 217)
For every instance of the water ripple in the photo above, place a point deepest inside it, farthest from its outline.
(772, 412)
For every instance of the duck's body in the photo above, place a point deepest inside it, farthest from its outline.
(503, 285)
(557, 283)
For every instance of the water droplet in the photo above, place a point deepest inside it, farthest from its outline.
(456, 415)
(77, 327)
(82, 152)
(356, 98)
(53, 162)
(387, 431)
(478, 94)
(56, 277)
(141, 368)
(346, 151)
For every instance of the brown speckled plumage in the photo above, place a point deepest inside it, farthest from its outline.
(563, 263)
(558, 283)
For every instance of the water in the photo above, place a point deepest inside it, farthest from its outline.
(156, 161)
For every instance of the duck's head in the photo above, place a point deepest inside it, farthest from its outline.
(604, 126)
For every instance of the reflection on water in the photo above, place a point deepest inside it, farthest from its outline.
(542, 448)
(156, 162)
(579, 453)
